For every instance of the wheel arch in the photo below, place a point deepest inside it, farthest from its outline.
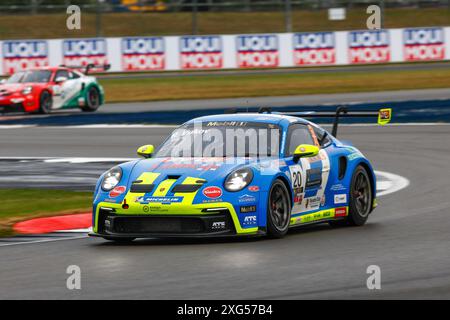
(286, 182)
(372, 179)
(96, 86)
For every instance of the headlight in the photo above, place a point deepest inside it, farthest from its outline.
(238, 179)
(27, 90)
(111, 178)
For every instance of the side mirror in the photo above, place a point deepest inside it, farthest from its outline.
(146, 151)
(305, 151)
(60, 79)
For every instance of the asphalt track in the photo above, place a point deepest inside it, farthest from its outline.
(280, 101)
(407, 236)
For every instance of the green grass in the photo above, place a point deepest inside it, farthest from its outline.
(207, 87)
(21, 204)
(138, 24)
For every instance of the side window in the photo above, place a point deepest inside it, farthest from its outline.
(62, 73)
(322, 137)
(74, 75)
(297, 134)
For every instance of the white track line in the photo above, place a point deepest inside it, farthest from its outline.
(42, 241)
(397, 183)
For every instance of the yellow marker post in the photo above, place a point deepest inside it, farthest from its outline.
(384, 116)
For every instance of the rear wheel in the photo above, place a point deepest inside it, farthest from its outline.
(45, 102)
(278, 210)
(360, 199)
(92, 100)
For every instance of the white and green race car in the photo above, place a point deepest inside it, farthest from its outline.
(51, 88)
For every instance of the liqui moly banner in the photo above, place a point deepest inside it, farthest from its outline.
(257, 51)
(421, 44)
(80, 52)
(140, 54)
(201, 52)
(171, 53)
(23, 55)
(369, 46)
(316, 48)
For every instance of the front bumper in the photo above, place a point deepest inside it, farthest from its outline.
(13, 107)
(17, 103)
(214, 221)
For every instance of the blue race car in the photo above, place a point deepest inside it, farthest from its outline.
(238, 175)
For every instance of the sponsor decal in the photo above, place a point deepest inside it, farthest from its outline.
(212, 192)
(23, 55)
(249, 221)
(117, 191)
(323, 200)
(246, 209)
(311, 217)
(110, 200)
(317, 48)
(313, 177)
(253, 188)
(256, 51)
(81, 52)
(313, 203)
(319, 157)
(163, 200)
(369, 46)
(421, 44)
(338, 187)
(143, 53)
(246, 198)
(353, 156)
(340, 212)
(196, 166)
(298, 198)
(201, 52)
(340, 198)
(218, 225)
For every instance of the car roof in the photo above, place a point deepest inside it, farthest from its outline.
(272, 118)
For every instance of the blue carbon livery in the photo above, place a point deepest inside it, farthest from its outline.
(312, 178)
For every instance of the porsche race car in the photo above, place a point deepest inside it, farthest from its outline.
(46, 89)
(238, 175)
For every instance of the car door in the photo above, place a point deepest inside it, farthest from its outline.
(66, 87)
(309, 176)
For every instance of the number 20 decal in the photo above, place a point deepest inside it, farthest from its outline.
(296, 179)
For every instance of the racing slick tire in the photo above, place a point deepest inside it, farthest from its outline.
(278, 210)
(360, 199)
(92, 100)
(45, 102)
(119, 240)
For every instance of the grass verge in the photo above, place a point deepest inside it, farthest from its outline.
(229, 86)
(42, 26)
(23, 204)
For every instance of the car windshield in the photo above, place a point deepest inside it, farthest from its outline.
(222, 139)
(42, 76)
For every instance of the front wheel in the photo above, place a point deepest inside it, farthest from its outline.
(45, 102)
(278, 210)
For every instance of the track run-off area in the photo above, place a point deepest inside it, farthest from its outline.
(406, 236)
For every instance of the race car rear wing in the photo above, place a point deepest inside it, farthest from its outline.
(384, 115)
(90, 66)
